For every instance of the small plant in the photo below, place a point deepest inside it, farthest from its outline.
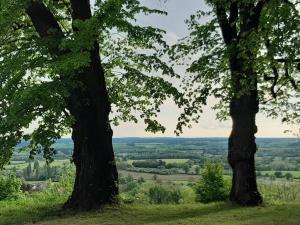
(212, 186)
(10, 187)
(141, 180)
(161, 195)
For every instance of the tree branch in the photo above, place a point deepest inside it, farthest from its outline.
(292, 81)
(81, 9)
(227, 28)
(234, 13)
(282, 60)
(275, 81)
(257, 11)
(45, 24)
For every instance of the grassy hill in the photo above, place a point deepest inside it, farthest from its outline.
(46, 211)
(215, 214)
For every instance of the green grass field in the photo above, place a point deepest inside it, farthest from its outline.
(43, 213)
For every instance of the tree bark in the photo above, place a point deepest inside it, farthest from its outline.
(244, 106)
(96, 181)
(242, 148)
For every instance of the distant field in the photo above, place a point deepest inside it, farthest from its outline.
(296, 174)
(23, 164)
(165, 160)
(149, 176)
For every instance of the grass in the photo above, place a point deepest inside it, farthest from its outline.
(29, 209)
(46, 211)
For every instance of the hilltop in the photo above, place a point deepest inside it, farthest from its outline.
(187, 214)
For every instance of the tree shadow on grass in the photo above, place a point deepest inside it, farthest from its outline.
(154, 214)
(138, 214)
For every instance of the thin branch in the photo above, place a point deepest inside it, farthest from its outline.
(274, 79)
(258, 10)
(282, 60)
(292, 81)
(233, 17)
(275, 72)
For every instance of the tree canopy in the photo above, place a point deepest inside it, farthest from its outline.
(34, 82)
(275, 45)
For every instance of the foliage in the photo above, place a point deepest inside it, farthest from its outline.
(10, 187)
(149, 164)
(35, 84)
(274, 46)
(161, 171)
(278, 174)
(65, 184)
(161, 195)
(41, 173)
(212, 186)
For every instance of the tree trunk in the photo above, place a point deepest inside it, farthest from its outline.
(96, 181)
(241, 145)
(238, 23)
(242, 150)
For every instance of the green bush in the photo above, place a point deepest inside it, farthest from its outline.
(65, 184)
(10, 187)
(160, 195)
(212, 187)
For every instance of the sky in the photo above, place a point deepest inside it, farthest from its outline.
(208, 126)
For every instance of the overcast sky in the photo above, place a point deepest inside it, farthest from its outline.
(208, 126)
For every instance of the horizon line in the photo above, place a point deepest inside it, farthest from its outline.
(191, 137)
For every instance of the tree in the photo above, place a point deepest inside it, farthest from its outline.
(28, 171)
(289, 176)
(63, 69)
(247, 54)
(186, 167)
(278, 174)
(197, 170)
(36, 168)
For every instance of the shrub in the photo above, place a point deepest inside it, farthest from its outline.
(141, 180)
(153, 163)
(10, 187)
(289, 176)
(212, 186)
(278, 174)
(65, 184)
(129, 187)
(160, 195)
